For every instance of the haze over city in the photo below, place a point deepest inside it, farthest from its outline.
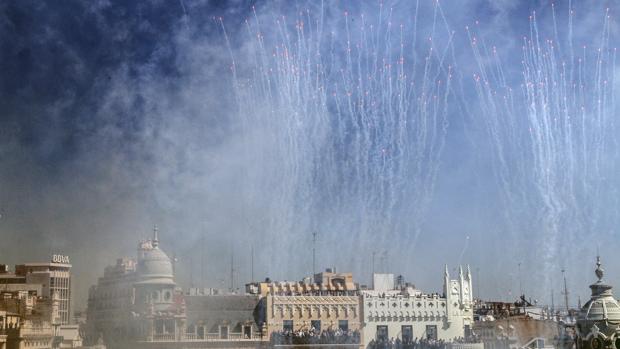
(116, 116)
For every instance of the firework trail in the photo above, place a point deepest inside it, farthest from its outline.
(347, 116)
(553, 135)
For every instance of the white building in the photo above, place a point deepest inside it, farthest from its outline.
(136, 304)
(406, 313)
(136, 301)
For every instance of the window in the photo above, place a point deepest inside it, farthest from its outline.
(316, 324)
(169, 326)
(247, 331)
(467, 331)
(223, 332)
(167, 296)
(407, 333)
(287, 325)
(201, 332)
(431, 332)
(159, 326)
(343, 325)
(382, 332)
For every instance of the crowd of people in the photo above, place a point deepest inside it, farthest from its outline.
(469, 339)
(423, 343)
(312, 336)
(340, 336)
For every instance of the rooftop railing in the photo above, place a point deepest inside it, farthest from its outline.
(207, 337)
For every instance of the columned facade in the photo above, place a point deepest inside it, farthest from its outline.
(407, 314)
(303, 312)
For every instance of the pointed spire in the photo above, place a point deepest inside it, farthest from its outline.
(155, 236)
(461, 271)
(468, 272)
(446, 273)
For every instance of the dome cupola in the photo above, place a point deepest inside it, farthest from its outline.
(598, 322)
(154, 266)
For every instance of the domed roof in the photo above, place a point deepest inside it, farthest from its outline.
(154, 266)
(602, 305)
(155, 263)
(600, 316)
(601, 310)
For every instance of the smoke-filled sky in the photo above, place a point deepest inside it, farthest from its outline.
(221, 124)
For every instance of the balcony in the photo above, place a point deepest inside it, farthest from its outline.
(165, 337)
(208, 337)
(465, 346)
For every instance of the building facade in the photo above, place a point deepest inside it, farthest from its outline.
(136, 300)
(55, 276)
(26, 320)
(504, 325)
(304, 312)
(52, 278)
(137, 304)
(402, 312)
(322, 308)
(223, 317)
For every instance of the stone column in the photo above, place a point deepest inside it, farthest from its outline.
(182, 326)
(150, 331)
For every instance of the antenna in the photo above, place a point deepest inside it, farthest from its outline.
(382, 261)
(191, 271)
(313, 253)
(202, 260)
(373, 262)
(478, 283)
(232, 270)
(565, 292)
(552, 304)
(252, 261)
(520, 284)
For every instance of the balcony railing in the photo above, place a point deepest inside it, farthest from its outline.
(166, 337)
(465, 346)
(208, 337)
